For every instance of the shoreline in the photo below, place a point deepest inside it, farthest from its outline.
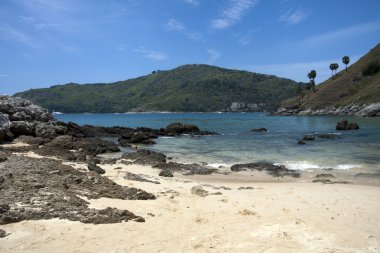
(230, 216)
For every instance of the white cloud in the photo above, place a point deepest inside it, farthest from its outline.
(339, 35)
(177, 26)
(151, 54)
(245, 38)
(10, 33)
(298, 71)
(232, 13)
(294, 17)
(192, 2)
(213, 55)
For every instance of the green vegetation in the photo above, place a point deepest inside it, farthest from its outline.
(359, 85)
(346, 61)
(333, 67)
(186, 88)
(371, 69)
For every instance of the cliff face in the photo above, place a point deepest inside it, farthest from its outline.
(352, 92)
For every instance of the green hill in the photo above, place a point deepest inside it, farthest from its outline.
(186, 88)
(348, 92)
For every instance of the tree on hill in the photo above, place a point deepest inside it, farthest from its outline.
(346, 61)
(312, 75)
(333, 67)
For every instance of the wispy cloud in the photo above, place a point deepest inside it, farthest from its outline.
(298, 70)
(177, 26)
(213, 55)
(338, 35)
(38, 25)
(10, 33)
(192, 2)
(293, 17)
(245, 38)
(151, 54)
(233, 13)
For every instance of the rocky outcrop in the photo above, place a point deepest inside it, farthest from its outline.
(34, 189)
(371, 110)
(5, 125)
(185, 169)
(146, 157)
(165, 173)
(262, 129)
(29, 119)
(345, 125)
(271, 169)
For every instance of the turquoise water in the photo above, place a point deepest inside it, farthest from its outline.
(356, 150)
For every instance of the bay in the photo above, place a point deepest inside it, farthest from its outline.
(357, 150)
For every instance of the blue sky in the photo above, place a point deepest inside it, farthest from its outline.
(48, 42)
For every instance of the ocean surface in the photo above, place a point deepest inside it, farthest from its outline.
(356, 151)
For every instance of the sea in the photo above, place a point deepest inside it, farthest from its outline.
(355, 151)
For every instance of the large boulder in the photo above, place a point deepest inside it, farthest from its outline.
(5, 124)
(22, 128)
(180, 128)
(345, 125)
(271, 169)
(146, 157)
(20, 109)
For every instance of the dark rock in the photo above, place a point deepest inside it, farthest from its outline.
(61, 197)
(146, 157)
(328, 136)
(323, 175)
(301, 142)
(271, 169)
(259, 130)
(134, 177)
(308, 138)
(95, 168)
(186, 169)
(22, 128)
(180, 128)
(5, 125)
(166, 173)
(3, 156)
(3, 233)
(345, 125)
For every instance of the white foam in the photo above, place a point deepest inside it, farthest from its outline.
(301, 165)
(346, 166)
(217, 165)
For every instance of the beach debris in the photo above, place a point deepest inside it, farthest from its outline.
(345, 125)
(198, 190)
(247, 212)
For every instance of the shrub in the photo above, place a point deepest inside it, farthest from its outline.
(371, 69)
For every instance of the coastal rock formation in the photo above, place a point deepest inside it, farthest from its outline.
(371, 110)
(262, 129)
(5, 124)
(345, 125)
(271, 169)
(33, 189)
(146, 157)
(165, 173)
(95, 168)
(186, 169)
(179, 128)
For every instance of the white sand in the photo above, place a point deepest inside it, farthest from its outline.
(272, 217)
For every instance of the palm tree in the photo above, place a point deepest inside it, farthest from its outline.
(346, 61)
(312, 75)
(333, 66)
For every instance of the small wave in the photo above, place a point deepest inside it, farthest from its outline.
(217, 165)
(301, 165)
(346, 166)
(167, 137)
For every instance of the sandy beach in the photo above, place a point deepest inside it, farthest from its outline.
(230, 216)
